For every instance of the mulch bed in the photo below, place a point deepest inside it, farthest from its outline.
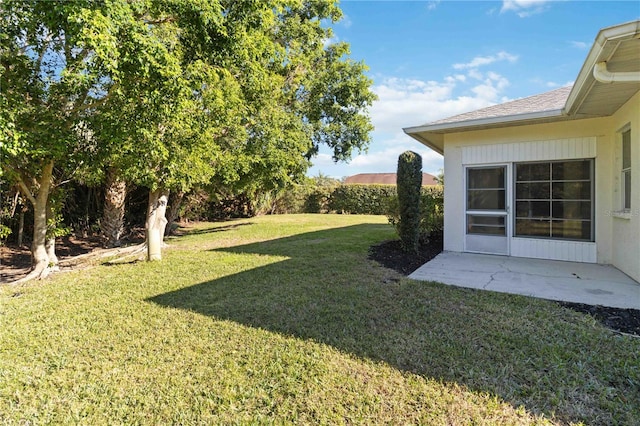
(390, 255)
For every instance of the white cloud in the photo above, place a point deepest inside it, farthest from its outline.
(550, 84)
(386, 160)
(345, 21)
(323, 160)
(493, 84)
(411, 102)
(544, 83)
(432, 5)
(524, 8)
(329, 41)
(475, 74)
(580, 45)
(455, 78)
(479, 61)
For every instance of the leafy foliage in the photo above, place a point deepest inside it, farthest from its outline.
(361, 199)
(175, 93)
(409, 183)
(431, 210)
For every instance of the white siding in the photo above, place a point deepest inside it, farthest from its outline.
(454, 199)
(559, 149)
(617, 238)
(625, 233)
(573, 251)
(544, 150)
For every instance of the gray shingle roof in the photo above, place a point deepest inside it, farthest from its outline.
(549, 101)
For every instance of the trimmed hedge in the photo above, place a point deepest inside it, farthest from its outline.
(341, 199)
(365, 199)
(361, 199)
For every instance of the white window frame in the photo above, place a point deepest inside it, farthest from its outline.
(552, 200)
(625, 133)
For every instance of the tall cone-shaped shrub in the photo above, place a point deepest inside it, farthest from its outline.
(409, 182)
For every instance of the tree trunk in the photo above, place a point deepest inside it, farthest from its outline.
(156, 222)
(40, 249)
(50, 242)
(21, 226)
(112, 223)
(174, 206)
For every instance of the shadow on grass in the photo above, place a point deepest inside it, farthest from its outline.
(523, 350)
(181, 231)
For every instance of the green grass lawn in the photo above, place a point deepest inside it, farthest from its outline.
(283, 319)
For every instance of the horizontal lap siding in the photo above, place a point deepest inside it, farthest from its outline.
(560, 149)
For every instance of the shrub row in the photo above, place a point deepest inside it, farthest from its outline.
(310, 198)
(307, 198)
(361, 199)
(364, 199)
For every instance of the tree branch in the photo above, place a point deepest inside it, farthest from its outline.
(14, 204)
(25, 190)
(82, 106)
(45, 45)
(159, 21)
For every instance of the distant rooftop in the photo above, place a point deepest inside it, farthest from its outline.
(549, 101)
(384, 179)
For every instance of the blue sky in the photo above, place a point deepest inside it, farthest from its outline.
(434, 59)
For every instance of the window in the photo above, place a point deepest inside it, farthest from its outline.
(486, 188)
(626, 169)
(554, 200)
(486, 200)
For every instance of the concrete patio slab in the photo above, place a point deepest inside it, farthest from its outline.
(587, 283)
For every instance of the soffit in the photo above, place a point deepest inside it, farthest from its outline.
(596, 99)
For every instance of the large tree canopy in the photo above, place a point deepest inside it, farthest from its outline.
(172, 93)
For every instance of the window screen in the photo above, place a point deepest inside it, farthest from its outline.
(554, 200)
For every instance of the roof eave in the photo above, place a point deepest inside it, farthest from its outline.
(434, 141)
(431, 134)
(485, 122)
(585, 80)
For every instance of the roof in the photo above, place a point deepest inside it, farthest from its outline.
(618, 47)
(384, 179)
(549, 101)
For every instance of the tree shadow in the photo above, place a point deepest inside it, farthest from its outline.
(337, 297)
(182, 231)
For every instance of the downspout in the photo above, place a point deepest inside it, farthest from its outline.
(603, 75)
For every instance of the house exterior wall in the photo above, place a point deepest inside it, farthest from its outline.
(617, 237)
(625, 228)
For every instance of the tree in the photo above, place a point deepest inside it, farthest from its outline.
(440, 177)
(168, 94)
(63, 65)
(48, 84)
(299, 93)
(409, 182)
(112, 223)
(295, 93)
